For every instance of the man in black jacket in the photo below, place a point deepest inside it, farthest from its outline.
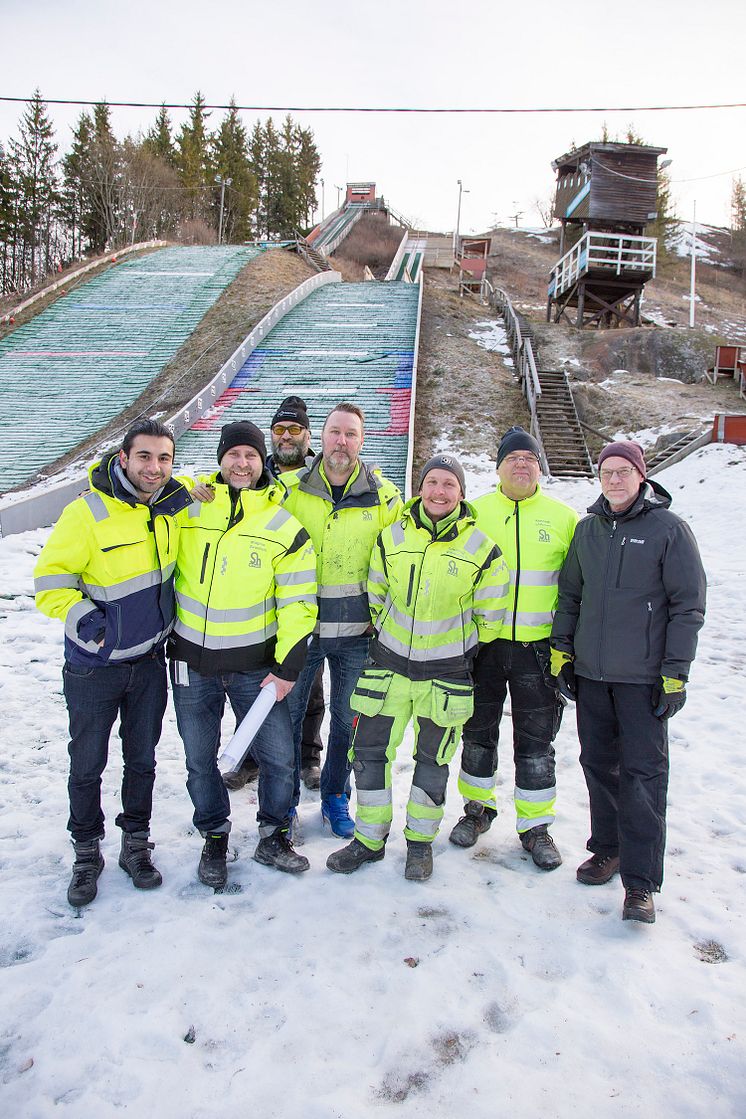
(631, 603)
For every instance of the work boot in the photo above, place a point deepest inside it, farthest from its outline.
(335, 811)
(598, 870)
(419, 861)
(638, 905)
(248, 771)
(477, 820)
(134, 858)
(89, 862)
(353, 856)
(540, 845)
(310, 775)
(276, 850)
(212, 869)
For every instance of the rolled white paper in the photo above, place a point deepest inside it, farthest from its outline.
(229, 760)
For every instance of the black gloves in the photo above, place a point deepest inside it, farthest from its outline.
(669, 696)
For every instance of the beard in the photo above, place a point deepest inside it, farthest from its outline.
(290, 456)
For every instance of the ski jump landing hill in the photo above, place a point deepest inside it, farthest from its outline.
(73, 368)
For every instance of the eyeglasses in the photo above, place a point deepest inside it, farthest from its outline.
(624, 472)
(291, 429)
(515, 459)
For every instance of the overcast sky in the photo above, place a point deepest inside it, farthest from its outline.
(411, 53)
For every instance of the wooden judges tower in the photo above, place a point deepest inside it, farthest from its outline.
(606, 195)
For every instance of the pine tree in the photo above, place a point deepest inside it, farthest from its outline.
(229, 148)
(258, 168)
(102, 168)
(158, 139)
(309, 165)
(75, 205)
(193, 161)
(7, 216)
(738, 223)
(32, 158)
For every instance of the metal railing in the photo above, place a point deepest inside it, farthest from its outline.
(523, 360)
(614, 252)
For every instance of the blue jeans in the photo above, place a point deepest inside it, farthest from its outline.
(199, 710)
(346, 657)
(95, 696)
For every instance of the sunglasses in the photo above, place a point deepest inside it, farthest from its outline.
(291, 429)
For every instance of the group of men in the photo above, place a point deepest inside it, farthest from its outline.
(268, 569)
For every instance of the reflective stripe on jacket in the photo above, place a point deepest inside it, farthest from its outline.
(433, 598)
(534, 536)
(107, 570)
(245, 583)
(343, 536)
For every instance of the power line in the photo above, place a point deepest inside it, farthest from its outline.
(384, 108)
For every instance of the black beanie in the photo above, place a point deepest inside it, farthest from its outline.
(517, 439)
(444, 462)
(292, 410)
(242, 433)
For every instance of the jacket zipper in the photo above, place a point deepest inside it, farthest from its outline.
(204, 562)
(411, 584)
(621, 562)
(517, 569)
(604, 600)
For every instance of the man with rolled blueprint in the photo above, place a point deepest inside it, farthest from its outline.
(245, 605)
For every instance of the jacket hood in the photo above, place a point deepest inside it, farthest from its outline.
(171, 500)
(651, 496)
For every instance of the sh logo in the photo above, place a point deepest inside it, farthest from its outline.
(452, 568)
(254, 560)
(367, 515)
(544, 536)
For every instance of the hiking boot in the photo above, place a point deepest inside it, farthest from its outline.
(134, 858)
(89, 862)
(212, 869)
(276, 850)
(540, 845)
(419, 861)
(477, 819)
(353, 856)
(598, 870)
(249, 771)
(335, 811)
(638, 905)
(310, 775)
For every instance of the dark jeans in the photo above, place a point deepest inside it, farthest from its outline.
(624, 755)
(199, 710)
(311, 744)
(536, 713)
(136, 692)
(346, 658)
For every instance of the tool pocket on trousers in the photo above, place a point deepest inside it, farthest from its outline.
(371, 690)
(452, 704)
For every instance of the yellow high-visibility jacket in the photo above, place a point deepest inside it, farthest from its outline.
(343, 536)
(245, 584)
(534, 536)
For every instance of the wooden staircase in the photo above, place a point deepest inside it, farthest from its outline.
(687, 442)
(312, 256)
(564, 443)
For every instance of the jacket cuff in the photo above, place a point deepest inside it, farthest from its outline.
(292, 666)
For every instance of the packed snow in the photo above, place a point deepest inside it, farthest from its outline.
(494, 987)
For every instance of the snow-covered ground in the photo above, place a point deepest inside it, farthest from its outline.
(493, 988)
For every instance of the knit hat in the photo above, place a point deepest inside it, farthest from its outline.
(242, 433)
(292, 410)
(517, 439)
(625, 448)
(445, 462)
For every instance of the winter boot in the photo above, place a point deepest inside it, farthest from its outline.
(353, 856)
(89, 862)
(335, 811)
(310, 775)
(540, 845)
(477, 819)
(419, 861)
(212, 869)
(248, 771)
(598, 870)
(134, 858)
(276, 850)
(638, 905)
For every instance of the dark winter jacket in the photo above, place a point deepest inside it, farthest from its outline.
(631, 593)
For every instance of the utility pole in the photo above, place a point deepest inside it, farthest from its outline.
(461, 191)
(223, 184)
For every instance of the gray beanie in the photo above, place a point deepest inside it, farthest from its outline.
(445, 462)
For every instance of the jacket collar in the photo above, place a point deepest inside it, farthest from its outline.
(107, 478)
(650, 496)
(362, 482)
